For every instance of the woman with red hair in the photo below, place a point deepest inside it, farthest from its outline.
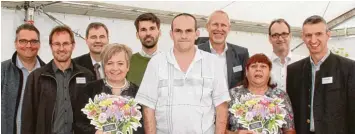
(257, 82)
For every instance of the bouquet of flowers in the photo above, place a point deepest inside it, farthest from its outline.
(260, 114)
(114, 114)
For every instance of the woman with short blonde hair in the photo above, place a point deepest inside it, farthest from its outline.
(115, 61)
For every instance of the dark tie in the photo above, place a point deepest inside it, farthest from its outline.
(96, 69)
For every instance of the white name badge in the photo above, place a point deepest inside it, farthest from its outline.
(80, 80)
(327, 80)
(237, 68)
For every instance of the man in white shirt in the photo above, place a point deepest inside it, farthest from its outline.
(183, 89)
(280, 37)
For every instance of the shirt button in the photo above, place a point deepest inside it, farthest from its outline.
(308, 121)
(65, 98)
(309, 105)
(65, 110)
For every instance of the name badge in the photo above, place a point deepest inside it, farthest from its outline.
(327, 80)
(255, 125)
(237, 68)
(109, 127)
(80, 80)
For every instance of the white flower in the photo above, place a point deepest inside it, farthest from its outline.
(249, 116)
(102, 118)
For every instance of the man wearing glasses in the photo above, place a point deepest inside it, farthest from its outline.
(280, 37)
(14, 73)
(51, 90)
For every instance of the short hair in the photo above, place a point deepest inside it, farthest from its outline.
(315, 19)
(112, 49)
(147, 17)
(279, 21)
(187, 15)
(28, 27)
(261, 58)
(59, 29)
(218, 11)
(95, 25)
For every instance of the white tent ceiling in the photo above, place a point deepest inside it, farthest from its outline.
(247, 16)
(295, 12)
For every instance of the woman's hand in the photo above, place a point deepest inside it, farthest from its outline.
(245, 132)
(241, 132)
(100, 132)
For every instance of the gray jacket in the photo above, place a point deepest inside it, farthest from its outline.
(11, 87)
(236, 57)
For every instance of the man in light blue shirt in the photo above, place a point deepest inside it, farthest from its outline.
(14, 74)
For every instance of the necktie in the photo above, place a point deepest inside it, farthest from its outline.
(96, 69)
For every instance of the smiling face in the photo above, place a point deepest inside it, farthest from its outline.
(116, 67)
(148, 33)
(97, 39)
(27, 44)
(218, 28)
(280, 37)
(62, 46)
(258, 74)
(316, 37)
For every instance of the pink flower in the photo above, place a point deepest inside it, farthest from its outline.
(92, 113)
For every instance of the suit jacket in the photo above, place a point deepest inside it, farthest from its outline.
(235, 56)
(333, 103)
(85, 61)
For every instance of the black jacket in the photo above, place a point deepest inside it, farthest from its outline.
(333, 103)
(85, 61)
(82, 123)
(237, 56)
(40, 97)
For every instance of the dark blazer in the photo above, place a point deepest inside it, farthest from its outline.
(333, 104)
(85, 61)
(82, 123)
(236, 56)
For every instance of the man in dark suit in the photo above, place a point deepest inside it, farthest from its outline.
(322, 86)
(233, 57)
(96, 39)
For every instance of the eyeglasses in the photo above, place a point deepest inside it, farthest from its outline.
(25, 42)
(58, 45)
(277, 35)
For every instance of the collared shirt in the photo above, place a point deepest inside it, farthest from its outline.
(279, 70)
(315, 68)
(184, 103)
(221, 58)
(144, 54)
(63, 115)
(101, 70)
(25, 74)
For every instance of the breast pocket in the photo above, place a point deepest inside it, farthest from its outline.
(206, 92)
(163, 92)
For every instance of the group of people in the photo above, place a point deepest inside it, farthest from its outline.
(186, 90)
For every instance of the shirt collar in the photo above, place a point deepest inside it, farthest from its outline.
(55, 68)
(171, 57)
(94, 62)
(21, 66)
(274, 57)
(144, 54)
(215, 52)
(322, 60)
